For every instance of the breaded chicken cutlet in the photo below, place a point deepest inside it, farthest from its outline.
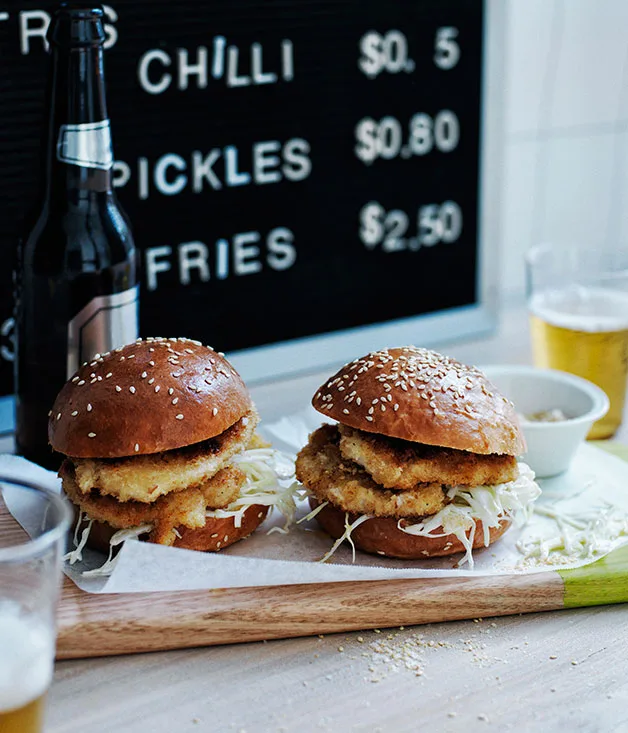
(401, 464)
(422, 461)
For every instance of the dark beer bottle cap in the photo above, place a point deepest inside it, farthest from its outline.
(77, 25)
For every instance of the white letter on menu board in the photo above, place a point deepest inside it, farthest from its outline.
(193, 256)
(153, 267)
(245, 253)
(170, 188)
(38, 31)
(198, 69)
(142, 71)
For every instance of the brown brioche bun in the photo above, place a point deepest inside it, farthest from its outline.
(217, 533)
(381, 536)
(147, 397)
(422, 396)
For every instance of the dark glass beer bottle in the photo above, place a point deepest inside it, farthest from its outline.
(76, 280)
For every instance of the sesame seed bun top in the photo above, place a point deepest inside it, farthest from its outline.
(424, 397)
(149, 396)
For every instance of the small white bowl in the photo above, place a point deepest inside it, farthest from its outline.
(551, 445)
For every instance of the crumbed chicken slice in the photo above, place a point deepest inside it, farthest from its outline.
(400, 464)
(328, 476)
(146, 478)
(185, 508)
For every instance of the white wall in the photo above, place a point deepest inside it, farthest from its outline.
(566, 136)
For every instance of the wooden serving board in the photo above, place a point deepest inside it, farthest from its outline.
(100, 625)
(93, 625)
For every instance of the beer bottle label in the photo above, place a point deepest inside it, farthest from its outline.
(105, 323)
(87, 145)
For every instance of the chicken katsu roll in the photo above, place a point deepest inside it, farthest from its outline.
(422, 461)
(160, 444)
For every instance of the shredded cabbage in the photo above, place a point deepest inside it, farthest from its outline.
(122, 535)
(490, 504)
(511, 500)
(76, 555)
(346, 535)
(582, 536)
(313, 513)
(263, 468)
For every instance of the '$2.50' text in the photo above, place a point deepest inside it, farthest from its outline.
(435, 223)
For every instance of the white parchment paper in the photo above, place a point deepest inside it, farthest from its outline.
(596, 484)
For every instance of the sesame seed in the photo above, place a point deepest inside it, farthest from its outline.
(91, 381)
(369, 418)
(118, 388)
(122, 358)
(108, 375)
(89, 407)
(157, 388)
(144, 375)
(81, 383)
(215, 411)
(214, 535)
(175, 400)
(131, 356)
(170, 390)
(137, 447)
(152, 363)
(371, 410)
(91, 435)
(132, 389)
(151, 380)
(59, 416)
(396, 407)
(75, 413)
(179, 416)
(75, 379)
(346, 412)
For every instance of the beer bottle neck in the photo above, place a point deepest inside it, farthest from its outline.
(79, 152)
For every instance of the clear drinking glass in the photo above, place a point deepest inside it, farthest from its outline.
(30, 575)
(578, 302)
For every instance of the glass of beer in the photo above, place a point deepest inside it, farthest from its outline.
(578, 301)
(30, 573)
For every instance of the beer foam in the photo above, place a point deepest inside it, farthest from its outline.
(592, 310)
(26, 656)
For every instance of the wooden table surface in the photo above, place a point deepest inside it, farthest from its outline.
(561, 671)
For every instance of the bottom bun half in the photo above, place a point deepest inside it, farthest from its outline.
(381, 536)
(217, 533)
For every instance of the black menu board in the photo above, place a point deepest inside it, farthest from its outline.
(294, 170)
